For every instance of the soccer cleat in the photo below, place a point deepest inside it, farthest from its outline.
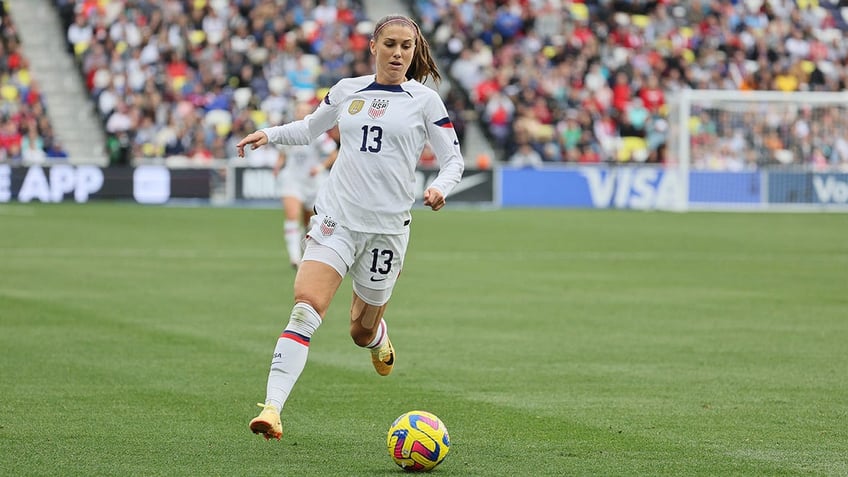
(383, 358)
(267, 422)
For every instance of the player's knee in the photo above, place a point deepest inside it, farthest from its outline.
(361, 336)
(311, 301)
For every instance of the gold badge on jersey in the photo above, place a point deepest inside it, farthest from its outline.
(355, 106)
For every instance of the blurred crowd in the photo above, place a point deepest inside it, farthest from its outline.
(26, 134)
(591, 81)
(550, 80)
(188, 78)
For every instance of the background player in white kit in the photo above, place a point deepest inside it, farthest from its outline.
(363, 209)
(300, 171)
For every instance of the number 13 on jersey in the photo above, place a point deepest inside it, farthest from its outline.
(372, 139)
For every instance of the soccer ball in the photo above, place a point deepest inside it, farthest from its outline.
(418, 441)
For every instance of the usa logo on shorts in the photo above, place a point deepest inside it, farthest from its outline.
(378, 108)
(328, 226)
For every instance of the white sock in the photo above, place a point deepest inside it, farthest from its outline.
(290, 353)
(380, 337)
(294, 237)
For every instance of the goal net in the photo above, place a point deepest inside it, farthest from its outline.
(760, 150)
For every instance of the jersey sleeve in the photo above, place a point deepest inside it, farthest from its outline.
(306, 130)
(445, 145)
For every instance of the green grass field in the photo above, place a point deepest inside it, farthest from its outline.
(136, 341)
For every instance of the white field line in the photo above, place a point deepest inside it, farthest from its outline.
(67, 252)
(17, 211)
(497, 256)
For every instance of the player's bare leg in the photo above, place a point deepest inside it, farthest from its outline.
(292, 229)
(314, 287)
(306, 214)
(368, 330)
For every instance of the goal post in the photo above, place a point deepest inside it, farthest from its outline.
(760, 150)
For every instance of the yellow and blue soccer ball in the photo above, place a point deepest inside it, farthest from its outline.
(418, 441)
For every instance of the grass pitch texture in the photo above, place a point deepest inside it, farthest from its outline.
(136, 341)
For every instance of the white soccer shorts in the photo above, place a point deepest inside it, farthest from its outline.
(303, 188)
(374, 261)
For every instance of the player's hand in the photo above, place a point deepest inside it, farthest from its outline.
(255, 139)
(434, 198)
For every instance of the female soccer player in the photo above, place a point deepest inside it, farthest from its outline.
(361, 226)
(300, 171)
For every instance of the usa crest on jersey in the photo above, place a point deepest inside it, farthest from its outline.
(378, 108)
(328, 226)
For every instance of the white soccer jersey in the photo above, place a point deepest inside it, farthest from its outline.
(383, 129)
(301, 159)
(295, 179)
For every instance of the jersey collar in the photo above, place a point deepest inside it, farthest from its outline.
(392, 88)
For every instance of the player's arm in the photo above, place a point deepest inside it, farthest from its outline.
(331, 151)
(281, 161)
(445, 145)
(330, 160)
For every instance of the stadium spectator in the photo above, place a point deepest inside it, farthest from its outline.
(80, 33)
(32, 148)
(10, 140)
(525, 155)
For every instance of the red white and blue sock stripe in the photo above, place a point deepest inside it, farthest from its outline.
(295, 336)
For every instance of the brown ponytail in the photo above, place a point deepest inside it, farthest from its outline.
(422, 64)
